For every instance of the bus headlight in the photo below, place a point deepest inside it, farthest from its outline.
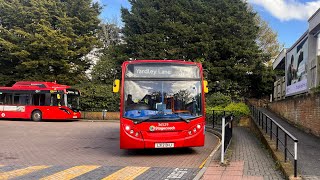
(127, 128)
(194, 129)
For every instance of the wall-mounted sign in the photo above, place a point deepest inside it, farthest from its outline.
(296, 68)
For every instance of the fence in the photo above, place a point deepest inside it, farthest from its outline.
(276, 132)
(222, 121)
(214, 119)
(226, 134)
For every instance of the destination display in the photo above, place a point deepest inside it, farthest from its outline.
(75, 92)
(157, 70)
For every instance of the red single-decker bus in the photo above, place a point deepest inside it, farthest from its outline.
(162, 104)
(39, 101)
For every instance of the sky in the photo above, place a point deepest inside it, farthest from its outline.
(289, 18)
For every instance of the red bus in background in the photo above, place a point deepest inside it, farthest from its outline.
(38, 101)
(162, 104)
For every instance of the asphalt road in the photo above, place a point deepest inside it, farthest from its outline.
(58, 146)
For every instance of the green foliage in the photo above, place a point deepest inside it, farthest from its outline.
(267, 39)
(46, 40)
(107, 68)
(262, 81)
(238, 109)
(96, 97)
(218, 99)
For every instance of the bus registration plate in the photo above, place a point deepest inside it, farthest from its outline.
(164, 145)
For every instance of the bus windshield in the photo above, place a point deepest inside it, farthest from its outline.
(73, 99)
(162, 99)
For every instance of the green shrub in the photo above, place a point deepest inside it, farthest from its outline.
(218, 99)
(238, 109)
(96, 97)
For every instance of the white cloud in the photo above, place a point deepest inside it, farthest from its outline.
(286, 10)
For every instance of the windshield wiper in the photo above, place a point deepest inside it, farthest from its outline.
(140, 120)
(187, 120)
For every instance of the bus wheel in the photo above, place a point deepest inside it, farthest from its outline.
(36, 116)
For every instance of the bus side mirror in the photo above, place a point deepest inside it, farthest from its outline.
(205, 86)
(116, 86)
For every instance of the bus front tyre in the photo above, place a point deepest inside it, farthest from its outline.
(36, 116)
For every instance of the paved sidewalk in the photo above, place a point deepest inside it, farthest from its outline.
(308, 148)
(249, 160)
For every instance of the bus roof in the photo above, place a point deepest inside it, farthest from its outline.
(160, 61)
(35, 85)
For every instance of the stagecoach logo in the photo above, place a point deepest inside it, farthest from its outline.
(152, 128)
(3, 115)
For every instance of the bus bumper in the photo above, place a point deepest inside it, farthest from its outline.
(127, 141)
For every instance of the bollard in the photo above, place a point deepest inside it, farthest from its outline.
(104, 113)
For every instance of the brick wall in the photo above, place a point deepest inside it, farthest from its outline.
(302, 111)
(99, 115)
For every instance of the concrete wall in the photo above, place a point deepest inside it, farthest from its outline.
(302, 111)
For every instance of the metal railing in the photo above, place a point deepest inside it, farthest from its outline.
(226, 134)
(276, 132)
(214, 119)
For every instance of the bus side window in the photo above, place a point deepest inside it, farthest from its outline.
(38, 99)
(16, 98)
(1, 99)
(7, 99)
(47, 99)
(24, 99)
(56, 100)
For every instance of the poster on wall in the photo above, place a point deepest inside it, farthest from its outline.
(296, 68)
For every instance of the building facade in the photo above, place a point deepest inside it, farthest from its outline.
(301, 63)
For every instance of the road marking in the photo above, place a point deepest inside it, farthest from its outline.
(21, 172)
(71, 173)
(177, 173)
(203, 163)
(210, 155)
(128, 172)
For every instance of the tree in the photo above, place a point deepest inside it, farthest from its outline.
(96, 97)
(267, 39)
(46, 40)
(110, 34)
(219, 33)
